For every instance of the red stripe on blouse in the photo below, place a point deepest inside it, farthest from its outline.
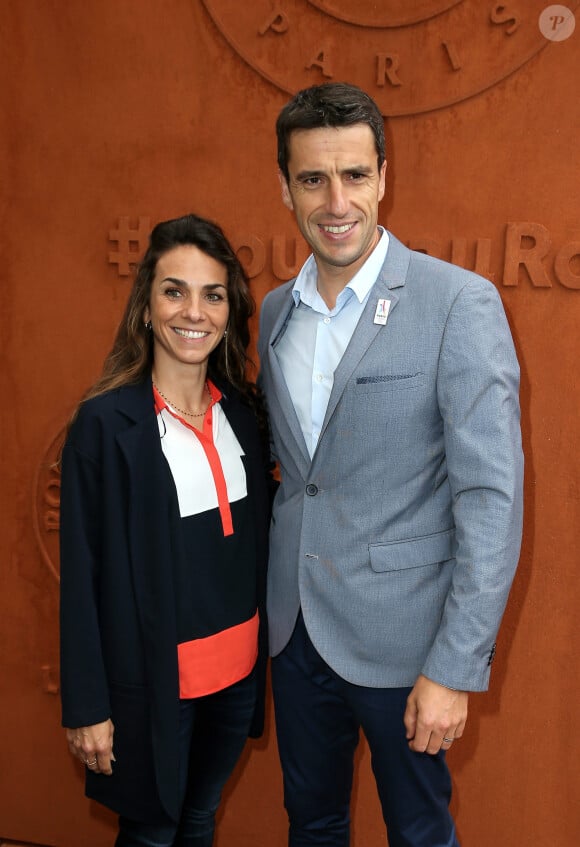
(213, 663)
(205, 438)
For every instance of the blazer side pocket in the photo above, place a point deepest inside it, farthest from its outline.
(412, 552)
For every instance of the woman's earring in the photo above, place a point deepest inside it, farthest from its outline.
(148, 326)
(226, 362)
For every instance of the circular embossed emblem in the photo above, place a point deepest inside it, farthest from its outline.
(411, 58)
(392, 13)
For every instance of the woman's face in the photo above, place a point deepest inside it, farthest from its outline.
(188, 307)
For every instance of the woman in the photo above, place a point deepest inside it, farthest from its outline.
(164, 507)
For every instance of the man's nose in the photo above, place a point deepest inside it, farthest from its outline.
(337, 199)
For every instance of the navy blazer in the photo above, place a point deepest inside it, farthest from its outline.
(119, 517)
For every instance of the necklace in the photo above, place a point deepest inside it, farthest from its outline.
(184, 411)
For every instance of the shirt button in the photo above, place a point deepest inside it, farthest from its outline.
(319, 377)
(326, 320)
(311, 489)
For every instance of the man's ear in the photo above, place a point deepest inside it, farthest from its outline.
(286, 196)
(382, 174)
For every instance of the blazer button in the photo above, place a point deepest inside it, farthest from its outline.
(311, 490)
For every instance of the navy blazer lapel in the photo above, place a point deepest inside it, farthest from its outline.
(288, 419)
(140, 443)
(393, 275)
(151, 508)
(135, 402)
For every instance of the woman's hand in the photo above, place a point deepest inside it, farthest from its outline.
(93, 745)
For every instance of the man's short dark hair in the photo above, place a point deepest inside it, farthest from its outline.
(333, 104)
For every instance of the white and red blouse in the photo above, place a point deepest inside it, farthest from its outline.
(214, 563)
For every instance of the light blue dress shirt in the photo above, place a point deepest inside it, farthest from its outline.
(316, 338)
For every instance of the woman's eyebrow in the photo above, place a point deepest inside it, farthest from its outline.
(182, 283)
(175, 280)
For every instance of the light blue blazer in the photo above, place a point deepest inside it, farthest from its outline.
(400, 538)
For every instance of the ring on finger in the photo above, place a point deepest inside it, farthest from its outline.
(448, 740)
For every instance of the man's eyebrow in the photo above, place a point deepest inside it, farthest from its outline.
(308, 174)
(351, 169)
(359, 169)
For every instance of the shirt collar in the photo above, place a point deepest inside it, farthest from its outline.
(305, 290)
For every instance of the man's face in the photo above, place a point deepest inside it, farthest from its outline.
(334, 189)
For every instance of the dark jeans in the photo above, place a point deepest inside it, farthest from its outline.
(213, 731)
(318, 719)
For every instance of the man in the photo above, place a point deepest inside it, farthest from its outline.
(392, 386)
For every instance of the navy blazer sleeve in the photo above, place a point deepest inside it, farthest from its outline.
(85, 696)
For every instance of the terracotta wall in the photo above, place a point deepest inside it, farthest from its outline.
(118, 114)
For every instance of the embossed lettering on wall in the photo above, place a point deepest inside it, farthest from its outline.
(46, 505)
(524, 252)
(466, 46)
(131, 243)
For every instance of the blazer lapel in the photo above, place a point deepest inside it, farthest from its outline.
(152, 512)
(287, 418)
(392, 276)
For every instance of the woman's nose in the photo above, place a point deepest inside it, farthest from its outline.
(193, 308)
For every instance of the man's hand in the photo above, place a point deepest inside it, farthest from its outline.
(93, 745)
(435, 716)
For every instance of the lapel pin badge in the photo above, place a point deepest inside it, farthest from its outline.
(382, 311)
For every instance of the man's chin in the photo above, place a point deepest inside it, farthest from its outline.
(338, 259)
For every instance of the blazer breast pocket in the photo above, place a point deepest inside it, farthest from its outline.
(388, 382)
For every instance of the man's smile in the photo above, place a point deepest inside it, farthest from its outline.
(335, 229)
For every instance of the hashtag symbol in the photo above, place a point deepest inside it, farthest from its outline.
(131, 243)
